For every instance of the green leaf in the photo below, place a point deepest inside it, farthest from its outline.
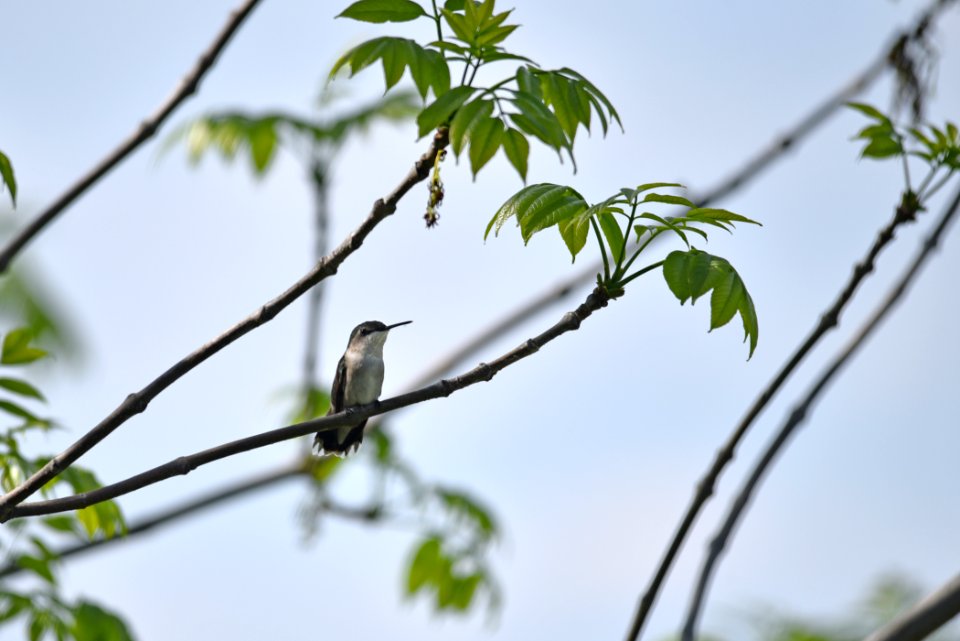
(263, 143)
(708, 213)
(20, 412)
(439, 112)
(612, 232)
(8, 177)
(468, 509)
(62, 523)
(528, 82)
(597, 96)
(882, 148)
(485, 140)
(17, 349)
(517, 148)
(666, 223)
(692, 273)
(423, 566)
(868, 111)
(668, 199)
(383, 11)
(21, 387)
(464, 122)
(574, 232)
(94, 623)
(535, 205)
(648, 186)
(535, 119)
(428, 67)
(40, 567)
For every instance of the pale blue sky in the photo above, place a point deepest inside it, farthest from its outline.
(159, 258)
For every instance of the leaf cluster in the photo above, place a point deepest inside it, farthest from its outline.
(625, 216)
(455, 530)
(259, 136)
(550, 106)
(47, 615)
(937, 147)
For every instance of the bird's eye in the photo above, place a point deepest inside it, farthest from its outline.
(364, 332)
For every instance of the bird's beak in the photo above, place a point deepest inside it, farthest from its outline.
(389, 327)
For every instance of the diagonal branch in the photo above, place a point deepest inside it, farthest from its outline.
(299, 468)
(799, 414)
(924, 618)
(187, 87)
(570, 321)
(137, 402)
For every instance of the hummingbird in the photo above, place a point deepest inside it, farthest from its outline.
(358, 381)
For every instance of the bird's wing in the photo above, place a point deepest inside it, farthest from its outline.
(339, 388)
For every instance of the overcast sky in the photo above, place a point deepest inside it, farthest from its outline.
(587, 451)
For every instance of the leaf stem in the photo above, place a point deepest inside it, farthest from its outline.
(436, 18)
(603, 250)
(936, 187)
(641, 272)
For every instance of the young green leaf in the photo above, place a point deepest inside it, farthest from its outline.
(484, 142)
(383, 11)
(693, 273)
(574, 232)
(17, 350)
(439, 112)
(8, 177)
(466, 119)
(537, 207)
(868, 111)
(423, 565)
(21, 387)
(668, 199)
(517, 148)
(612, 232)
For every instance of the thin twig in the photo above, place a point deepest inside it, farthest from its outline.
(299, 468)
(185, 464)
(924, 618)
(800, 413)
(705, 488)
(147, 129)
(137, 402)
(258, 482)
(311, 352)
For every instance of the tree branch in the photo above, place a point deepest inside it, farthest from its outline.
(187, 87)
(924, 618)
(185, 464)
(299, 468)
(799, 415)
(705, 488)
(137, 402)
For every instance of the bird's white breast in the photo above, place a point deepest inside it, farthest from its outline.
(364, 378)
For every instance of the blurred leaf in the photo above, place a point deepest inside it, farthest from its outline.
(868, 111)
(21, 387)
(424, 565)
(93, 623)
(40, 567)
(7, 175)
(21, 412)
(466, 508)
(17, 349)
(668, 199)
(383, 11)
